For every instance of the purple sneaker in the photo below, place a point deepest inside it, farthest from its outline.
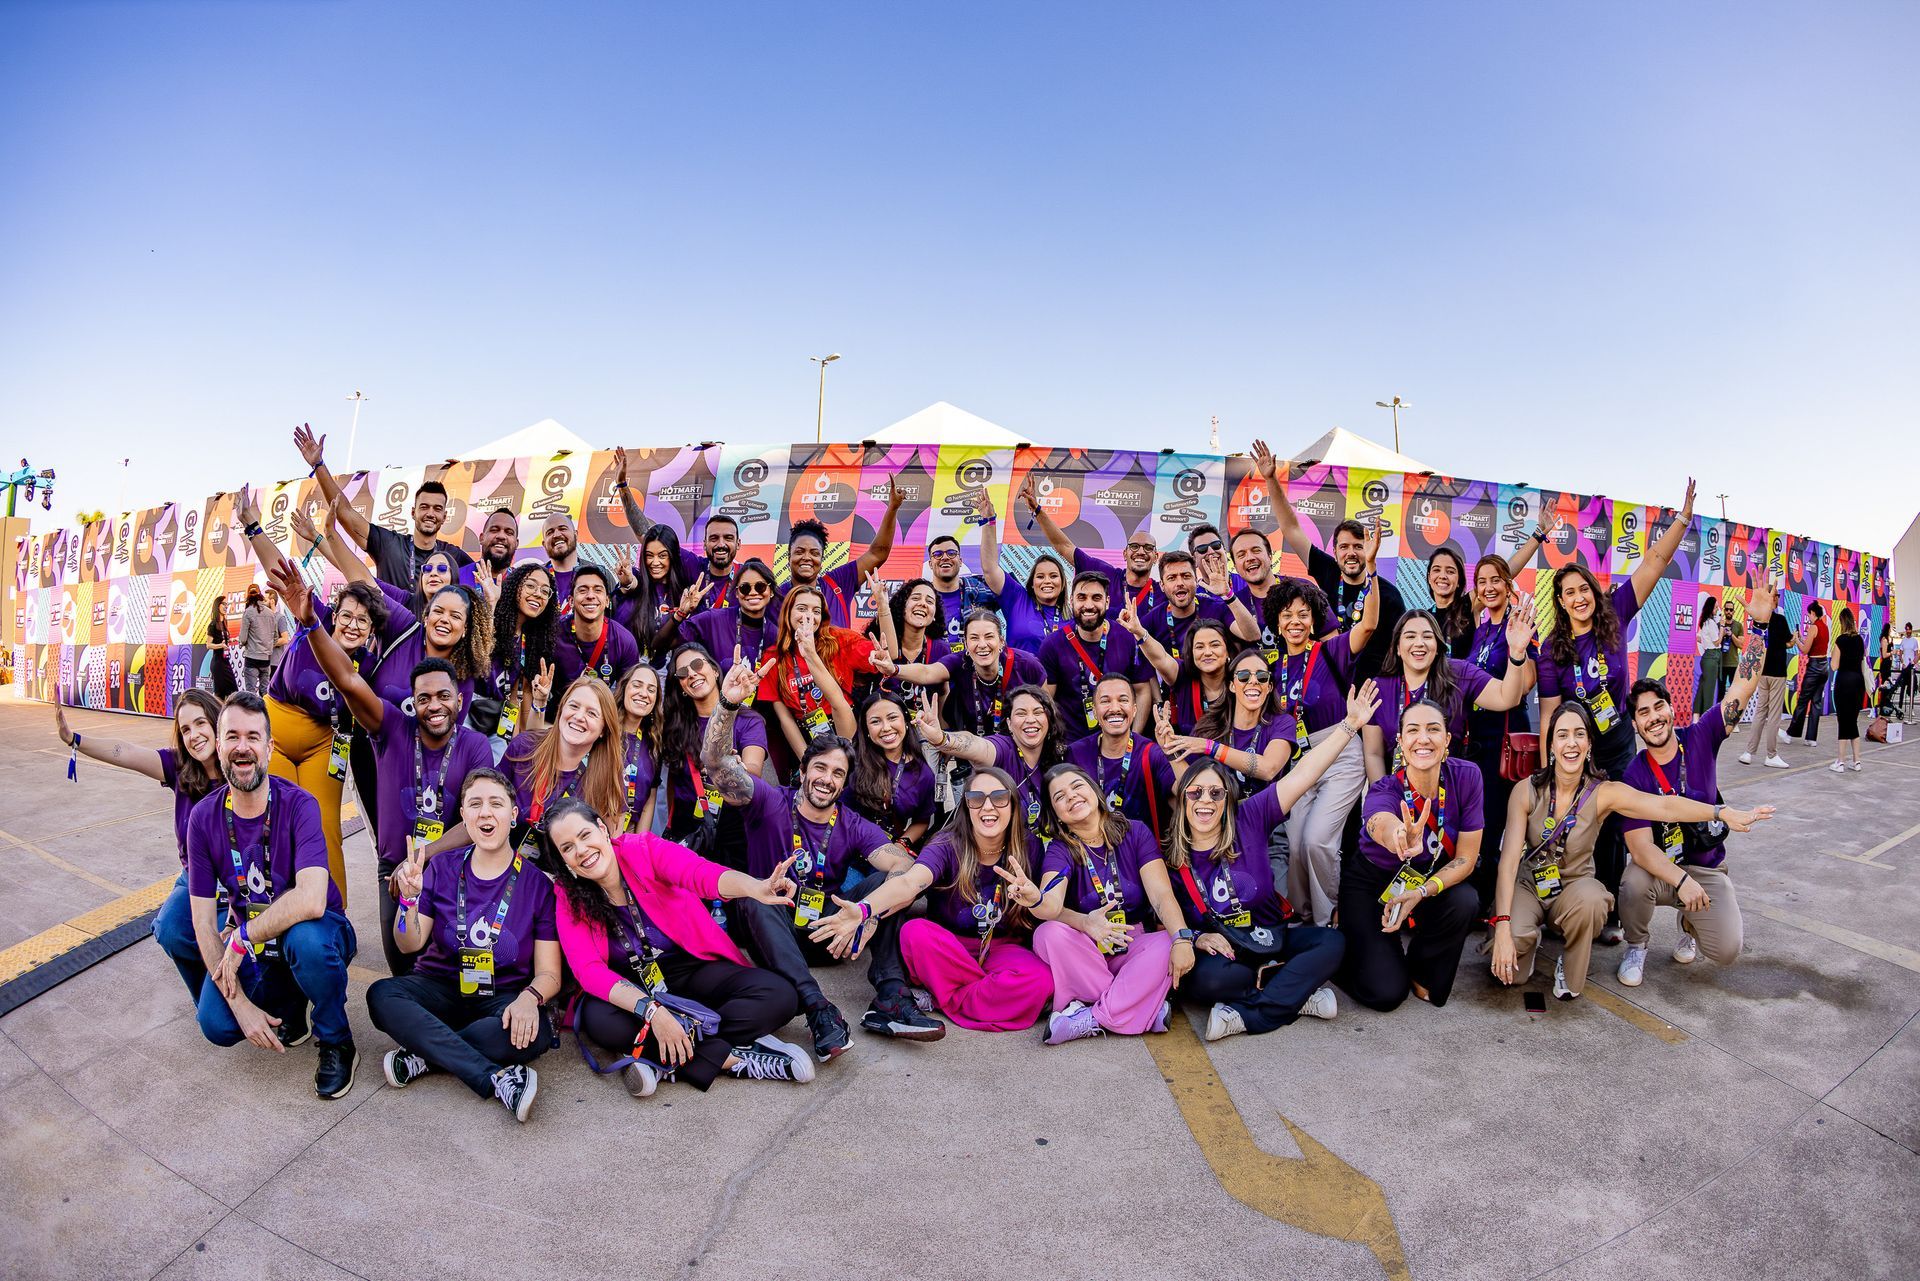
(1074, 1023)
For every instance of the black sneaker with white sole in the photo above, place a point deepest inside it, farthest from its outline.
(334, 1077)
(765, 1060)
(902, 1021)
(830, 1034)
(298, 1029)
(403, 1067)
(515, 1087)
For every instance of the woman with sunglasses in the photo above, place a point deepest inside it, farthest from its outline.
(1253, 969)
(810, 682)
(1548, 862)
(971, 951)
(1100, 873)
(637, 695)
(692, 697)
(523, 624)
(1244, 733)
(1418, 667)
(1031, 746)
(1196, 681)
(892, 784)
(746, 624)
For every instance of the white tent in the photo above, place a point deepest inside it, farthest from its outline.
(944, 424)
(542, 440)
(1341, 448)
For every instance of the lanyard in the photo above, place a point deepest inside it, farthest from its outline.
(1348, 615)
(478, 938)
(1666, 788)
(1146, 589)
(1111, 891)
(987, 720)
(720, 592)
(808, 861)
(1436, 817)
(241, 880)
(599, 648)
(641, 953)
(1580, 671)
(750, 653)
(806, 690)
(539, 805)
(1073, 639)
(1555, 835)
(427, 803)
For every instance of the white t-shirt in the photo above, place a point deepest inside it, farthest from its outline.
(1909, 648)
(1709, 634)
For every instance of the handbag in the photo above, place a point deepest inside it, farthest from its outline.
(1519, 756)
(697, 1019)
(484, 714)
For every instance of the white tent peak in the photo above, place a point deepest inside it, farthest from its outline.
(1342, 448)
(542, 440)
(944, 424)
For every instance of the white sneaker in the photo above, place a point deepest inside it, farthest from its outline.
(1855, 767)
(1776, 761)
(1782, 736)
(1322, 1004)
(1560, 988)
(1633, 966)
(1837, 768)
(640, 1079)
(1746, 758)
(1687, 950)
(1224, 1021)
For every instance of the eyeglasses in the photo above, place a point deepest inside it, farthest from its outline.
(1143, 547)
(1257, 675)
(753, 589)
(945, 553)
(999, 800)
(1201, 549)
(1199, 793)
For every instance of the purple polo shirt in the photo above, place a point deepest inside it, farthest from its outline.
(749, 730)
(1324, 701)
(1693, 774)
(1027, 623)
(1138, 790)
(982, 709)
(1395, 698)
(529, 918)
(825, 849)
(572, 656)
(1091, 883)
(1461, 780)
(1073, 680)
(441, 772)
(1569, 680)
(948, 907)
(721, 629)
(913, 786)
(1246, 880)
(295, 841)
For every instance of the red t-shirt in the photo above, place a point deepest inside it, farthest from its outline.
(852, 655)
(1818, 648)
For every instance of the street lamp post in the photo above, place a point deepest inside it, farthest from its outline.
(820, 410)
(358, 399)
(1396, 405)
(27, 480)
(1723, 505)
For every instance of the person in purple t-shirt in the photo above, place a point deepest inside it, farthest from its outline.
(807, 553)
(1030, 747)
(1076, 657)
(560, 540)
(979, 681)
(1174, 620)
(826, 840)
(892, 786)
(285, 942)
(1683, 865)
(1133, 587)
(1100, 875)
(1196, 682)
(694, 804)
(1033, 609)
(745, 623)
(1418, 667)
(1131, 770)
(474, 1002)
(189, 769)
(1585, 659)
(591, 641)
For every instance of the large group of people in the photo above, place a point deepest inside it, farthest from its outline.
(648, 801)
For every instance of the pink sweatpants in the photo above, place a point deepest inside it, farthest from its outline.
(1006, 994)
(1126, 990)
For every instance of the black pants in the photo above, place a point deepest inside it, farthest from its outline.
(751, 1003)
(783, 947)
(458, 1034)
(1496, 793)
(1309, 955)
(398, 962)
(1849, 696)
(1381, 968)
(1806, 707)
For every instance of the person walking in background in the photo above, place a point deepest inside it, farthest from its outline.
(259, 629)
(1773, 689)
(1849, 691)
(1733, 639)
(1909, 654)
(1706, 689)
(283, 625)
(1815, 643)
(1884, 670)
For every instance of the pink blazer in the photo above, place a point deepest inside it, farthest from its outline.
(674, 886)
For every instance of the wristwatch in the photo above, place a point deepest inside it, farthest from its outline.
(1183, 936)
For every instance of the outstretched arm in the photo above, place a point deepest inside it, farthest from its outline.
(1661, 554)
(967, 747)
(368, 708)
(114, 751)
(989, 542)
(1056, 536)
(882, 545)
(1291, 532)
(1163, 663)
(313, 449)
(1362, 703)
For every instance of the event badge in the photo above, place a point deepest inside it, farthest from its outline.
(818, 723)
(509, 720)
(1674, 841)
(1113, 800)
(717, 908)
(1407, 879)
(1239, 920)
(707, 803)
(428, 830)
(1546, 880)
(808, 906)
(1116, 914)
(1033, 811)
(476, 971)
(269, 949)
(1604, 712)
(652, 979)
(1093, 718)
(337, 758)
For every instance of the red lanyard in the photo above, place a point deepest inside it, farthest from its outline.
(1141, 595)
(599, 646)
(1666, 788)
(1073, 639)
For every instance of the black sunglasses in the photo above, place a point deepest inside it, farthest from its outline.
(1000, 800)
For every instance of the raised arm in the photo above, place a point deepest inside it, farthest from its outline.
(967, 747)
(1056, 536)
(313, 449)
(1661, 554)
(1291, 532)
(883, 614)
(114, 751)
(368, 708)
(1543, 529)
(1163, 663)
(882, 545)
(719, 760)
(1362, 703)
(636, 515)
(340, 556)
(247, 507)
(1511, 689)
(1362, 631)
(989, 542)
(1244, 625)
(1753, 653)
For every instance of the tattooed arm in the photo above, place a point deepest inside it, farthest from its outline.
(719, 758)
(968, 747)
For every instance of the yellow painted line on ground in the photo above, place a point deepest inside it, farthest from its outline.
(1906, 958)
(1316, 1192)
(1651, 1024)
(112, 887)
(51, 943)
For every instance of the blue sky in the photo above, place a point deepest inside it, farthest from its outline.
(1597, 247)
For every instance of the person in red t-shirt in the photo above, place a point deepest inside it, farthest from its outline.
(810, 685)
(1814, 671)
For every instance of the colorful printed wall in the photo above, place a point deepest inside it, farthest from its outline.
(115, 614)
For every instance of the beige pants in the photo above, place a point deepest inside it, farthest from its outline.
(1767, 702)
(1717, 929)
(1316, 829)
(1577, 911)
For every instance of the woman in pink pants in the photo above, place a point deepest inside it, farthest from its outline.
(970, 951)
(1098, 877)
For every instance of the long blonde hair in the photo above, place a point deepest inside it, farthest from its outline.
(1113, 825)
(602, 786)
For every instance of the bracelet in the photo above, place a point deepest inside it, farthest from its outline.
(866, 911)
(1499, 920)
(252, 529)
(619, 486)
(238, 943)
(1517, 660)
(729, 704)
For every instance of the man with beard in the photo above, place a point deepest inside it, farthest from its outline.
(1181, 581)
(838, 857)
(720, 546)
(499, 540)
(1343, 575)
(1683, 865)
(807, 552)
(1134, 776)
(1253, 558)
(561, 541)
(284, 945)
(1077, 656)
(960, 593)
(396, 557)
(592, 641)
(1138, 588)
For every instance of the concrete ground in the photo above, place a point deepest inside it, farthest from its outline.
(1759, 1120)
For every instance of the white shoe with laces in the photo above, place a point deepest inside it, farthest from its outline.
(1687, 950)
(1776, 761)
(1322, 1004)
(1560, 988)
(1633, 966)
(1837, 768)
(1224, 1021)
(1746, 758)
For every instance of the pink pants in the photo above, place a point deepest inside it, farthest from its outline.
(1126, 990)
(1005, 994)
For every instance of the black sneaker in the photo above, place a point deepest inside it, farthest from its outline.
(771, 1060)
(403, 1067)
(515, 1087)
(830, 1035)
(901, 1020)
(297, 1029)
(334, 1077)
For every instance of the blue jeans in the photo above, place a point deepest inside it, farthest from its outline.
(312, 966)
(173, 931)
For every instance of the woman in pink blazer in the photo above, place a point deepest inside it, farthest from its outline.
(637, 928)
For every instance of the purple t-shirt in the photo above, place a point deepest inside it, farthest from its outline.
(1172, 632)
(299, 682)
(1244, 883)
(518, 766)
(1073, 680)
(1140, 791)
(405, 644)
(572, 656)
(1118, 593)
(1324, 701)
(1189, 703)
(1584, 680)
(1027, 623)
(441, 771)
(1460, 779)
(825, 849)
(1486, 730)
(295, 841)
(1256, 740)
(841, 587)
(1269, 642)
(1468, 680)
(721, 629)
(1028, 781)
(1693, 774)
(529, 918)
(182, 803)
(749, 730)
(913, 787)
(1106, 874)
(982, 709)
(949, 908)
(639, 773)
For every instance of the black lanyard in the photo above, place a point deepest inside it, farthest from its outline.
(641, 953)
(241, 881)
(429, 805)
(815, 861)
(499, 913)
